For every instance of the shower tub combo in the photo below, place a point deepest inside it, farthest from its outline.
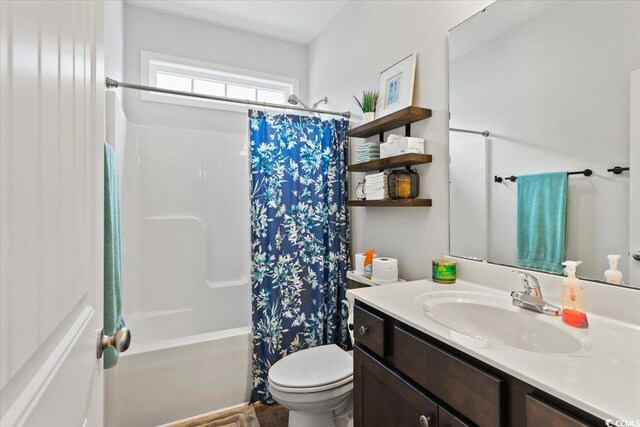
(186, 265)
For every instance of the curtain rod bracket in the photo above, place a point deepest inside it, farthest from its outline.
(111, 83)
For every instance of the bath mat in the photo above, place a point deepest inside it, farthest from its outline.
(244, 416)
(271, 415)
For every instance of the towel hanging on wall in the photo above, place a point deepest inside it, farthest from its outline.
(542, 221)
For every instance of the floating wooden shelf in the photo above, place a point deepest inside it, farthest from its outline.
(392, 121)
(411, 203)
(402, 160)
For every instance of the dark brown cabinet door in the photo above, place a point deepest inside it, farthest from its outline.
(541, 413)
(447, 419)
(383, 399)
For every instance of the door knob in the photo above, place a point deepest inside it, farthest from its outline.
(120, 341)
(636, 255)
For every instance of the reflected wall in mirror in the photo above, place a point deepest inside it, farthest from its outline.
(550, 81)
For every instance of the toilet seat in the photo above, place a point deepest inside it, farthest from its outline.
(312, 370)
(318, 389)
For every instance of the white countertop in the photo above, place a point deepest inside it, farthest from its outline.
(603, 380)
(369, 282)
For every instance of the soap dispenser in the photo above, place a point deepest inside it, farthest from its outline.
(573, 312)
(613, 275)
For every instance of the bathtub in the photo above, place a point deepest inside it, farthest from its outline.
(157, 382)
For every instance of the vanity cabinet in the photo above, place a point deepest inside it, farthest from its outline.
(403, 377)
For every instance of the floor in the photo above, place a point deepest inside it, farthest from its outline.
(254, 415)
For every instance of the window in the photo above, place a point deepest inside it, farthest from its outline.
(187, 75)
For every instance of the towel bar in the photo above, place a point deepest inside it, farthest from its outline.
(586, 172)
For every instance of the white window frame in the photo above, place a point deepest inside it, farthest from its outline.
(151, 63)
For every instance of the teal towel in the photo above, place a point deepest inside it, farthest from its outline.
(112, 273)
(542, 221)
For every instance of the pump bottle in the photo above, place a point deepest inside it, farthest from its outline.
(613, 275)
(573, 312)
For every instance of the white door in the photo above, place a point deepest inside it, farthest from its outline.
(634, 181)
(51, 209)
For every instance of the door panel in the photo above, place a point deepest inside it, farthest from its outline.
(634, 181)
(51, 205)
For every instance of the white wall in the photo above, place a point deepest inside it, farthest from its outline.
(114, 40)
(158, 32)
(554, 92)
(347, 57)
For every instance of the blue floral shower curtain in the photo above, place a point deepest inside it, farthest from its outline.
(300, 237)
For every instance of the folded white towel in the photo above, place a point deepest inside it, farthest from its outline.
(376, 186)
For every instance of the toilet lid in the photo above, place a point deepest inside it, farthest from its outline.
(313, 367)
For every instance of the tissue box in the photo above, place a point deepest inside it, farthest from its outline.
(397, 145)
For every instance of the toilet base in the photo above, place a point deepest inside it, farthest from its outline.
(311, 419)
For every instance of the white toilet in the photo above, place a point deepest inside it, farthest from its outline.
(315, 385)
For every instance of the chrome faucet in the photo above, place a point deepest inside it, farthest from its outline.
(530, 283)
(531, 298)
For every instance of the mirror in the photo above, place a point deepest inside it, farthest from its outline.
(550, 82)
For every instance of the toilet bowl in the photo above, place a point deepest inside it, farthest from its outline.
(315, 385)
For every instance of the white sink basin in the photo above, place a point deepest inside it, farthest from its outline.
(495, 321)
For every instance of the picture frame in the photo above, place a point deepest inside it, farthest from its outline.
(396, 85)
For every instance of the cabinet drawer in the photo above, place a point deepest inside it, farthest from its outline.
(541, 413)
(368, 330)
(447, 419)
(472, 392)
(383, 399)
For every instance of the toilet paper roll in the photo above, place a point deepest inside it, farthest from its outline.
(358, 266)
(385, 269)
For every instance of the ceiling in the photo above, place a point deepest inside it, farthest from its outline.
(298, 21)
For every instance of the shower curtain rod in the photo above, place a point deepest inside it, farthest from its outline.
(114, 83)
(483, 133)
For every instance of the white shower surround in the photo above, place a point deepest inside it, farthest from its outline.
(186, 266)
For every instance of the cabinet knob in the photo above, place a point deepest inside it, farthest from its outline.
(636, 255)
(425, 421)
(363, 330)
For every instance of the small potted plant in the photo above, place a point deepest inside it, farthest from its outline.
(368, 104)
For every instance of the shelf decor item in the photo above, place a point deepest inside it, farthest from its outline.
(404, 184)
(396, 85)
(360, 191)
(368, 105)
